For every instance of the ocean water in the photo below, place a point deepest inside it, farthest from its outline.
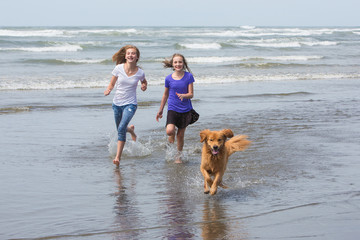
(64, 57)
(293, 91)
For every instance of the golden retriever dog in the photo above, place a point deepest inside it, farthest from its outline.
(215, 153)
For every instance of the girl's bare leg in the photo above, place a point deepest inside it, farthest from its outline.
(120, 148)
(180, 138)
(131, 130)
(180, 143)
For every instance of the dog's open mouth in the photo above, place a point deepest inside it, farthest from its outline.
(215, 150)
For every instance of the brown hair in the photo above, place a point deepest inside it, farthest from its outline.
(168, 63)
(119, 56)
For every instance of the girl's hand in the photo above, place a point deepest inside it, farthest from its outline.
(144, 85)
(159, 115)
(107, 92)
(180, 96)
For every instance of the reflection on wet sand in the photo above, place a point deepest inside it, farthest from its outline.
(178, 210)
(213, 226)
(126, 215)
(217, 224)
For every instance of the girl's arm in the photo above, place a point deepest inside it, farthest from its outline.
(188, 95)
(162, 104)
(111, 85)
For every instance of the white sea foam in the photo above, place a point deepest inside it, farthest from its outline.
(82, 61)
(266, 32)
(323, 43)
(248, 27)
(272, 45)
(245, 33)
(215, 59)
(32, 33)
(283, 43)
(250, 58)
(242, 31)
(289, 58)
(62, 32)
(103, 31)
(56, 48)
(52, 82)
(201, 45)
(43, 82)
(227, 33)
(276, 77)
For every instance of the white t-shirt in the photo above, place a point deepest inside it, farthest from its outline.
(126, 86)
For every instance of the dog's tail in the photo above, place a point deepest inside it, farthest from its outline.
(237, 143)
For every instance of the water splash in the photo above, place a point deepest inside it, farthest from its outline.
(131, 149)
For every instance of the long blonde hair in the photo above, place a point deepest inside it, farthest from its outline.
(168, 63)
(119, 56)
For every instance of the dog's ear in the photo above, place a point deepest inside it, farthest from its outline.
(228, 133)
(203, 134)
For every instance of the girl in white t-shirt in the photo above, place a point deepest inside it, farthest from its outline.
(126, 76)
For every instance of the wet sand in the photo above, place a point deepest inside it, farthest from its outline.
(298, 180)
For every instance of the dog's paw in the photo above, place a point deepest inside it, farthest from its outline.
(213, 191)
(206, 192)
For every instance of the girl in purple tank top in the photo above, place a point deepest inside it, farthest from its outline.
(179, 90)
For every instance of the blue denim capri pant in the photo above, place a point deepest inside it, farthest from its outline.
(123, 116)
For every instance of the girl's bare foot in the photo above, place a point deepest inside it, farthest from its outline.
(131, 130)
(178, 158)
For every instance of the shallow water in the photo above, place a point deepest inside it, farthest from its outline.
(298, 180)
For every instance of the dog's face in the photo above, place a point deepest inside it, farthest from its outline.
(215, 139)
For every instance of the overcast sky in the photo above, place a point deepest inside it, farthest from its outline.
(179, 13)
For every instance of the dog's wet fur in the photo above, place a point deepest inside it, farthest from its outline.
(216, 151)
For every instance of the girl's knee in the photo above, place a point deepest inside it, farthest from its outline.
(122, 132)
(122, 137)
(170, 131)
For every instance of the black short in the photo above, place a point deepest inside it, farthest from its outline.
(180, 120)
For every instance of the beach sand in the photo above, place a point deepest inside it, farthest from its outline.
(299, 179)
